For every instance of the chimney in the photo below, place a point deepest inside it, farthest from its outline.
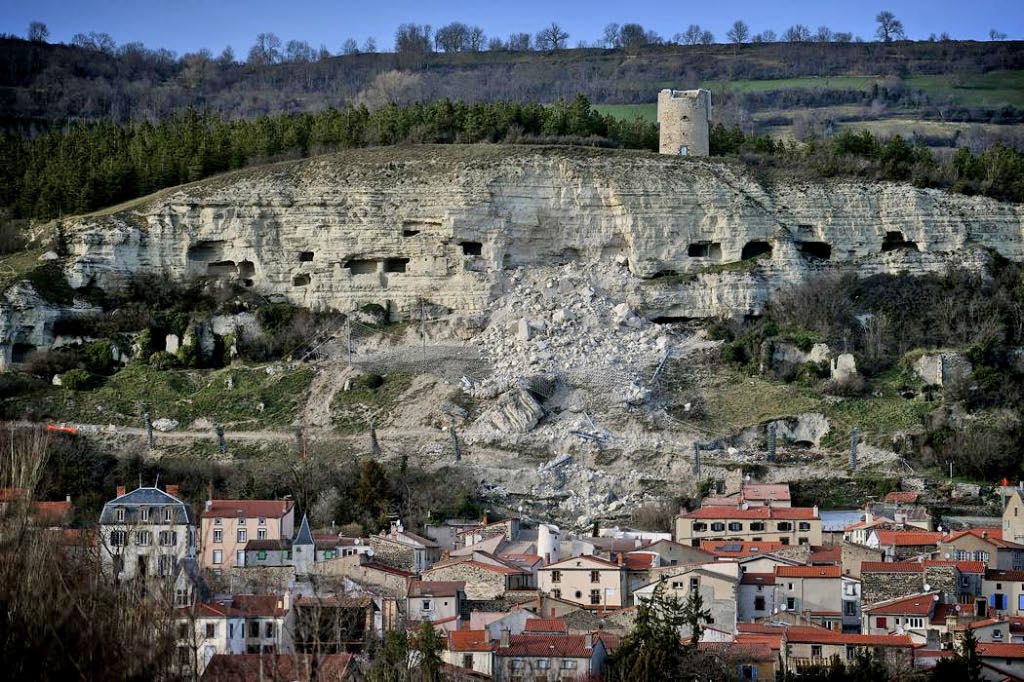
(172, 489)
(209, 505)
(67, 498)
(588, 640)
(984, 535)
(815, 511)
(120, 490)
(505, 638)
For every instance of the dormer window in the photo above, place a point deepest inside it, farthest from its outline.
(144, 513)
(120, 513)
(167, 514)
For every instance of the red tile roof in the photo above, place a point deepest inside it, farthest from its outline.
(737, 548)
(891, 567)
(781, 513)
(639, 561)
(914, 605)
(975, 624)
(750, 578)
(759, 628)
(962, 566)
(436, 588)
(259, 604)
(247, 508)
(809, 571)
(545, 646)
(805, 634)
(553, 625)
(832, 554)
(52, 511)
(470, 640)
(907, 538)
(1000, 650)
(277, 668)
(993, 536)
(206, 610)
(766, 491)
(902, 497)
(1008, 576)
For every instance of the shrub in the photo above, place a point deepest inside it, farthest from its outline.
(79, 380)
(98, 357)
(367, 381)
(163, 360)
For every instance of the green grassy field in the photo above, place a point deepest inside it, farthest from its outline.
(648, 112)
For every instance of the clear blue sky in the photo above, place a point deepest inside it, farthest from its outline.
(187, 25)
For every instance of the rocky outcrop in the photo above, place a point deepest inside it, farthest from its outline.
(398, 227)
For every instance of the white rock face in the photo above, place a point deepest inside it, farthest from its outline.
(942, 368)
(844, 366)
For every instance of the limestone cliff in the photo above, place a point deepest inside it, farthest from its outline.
(446, 224)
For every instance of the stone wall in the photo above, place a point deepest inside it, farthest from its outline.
(393, 553)
(480, 583)
(945, 579)
(876, 587)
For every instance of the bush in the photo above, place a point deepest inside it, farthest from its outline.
(98, 357)
(367, 382)
(163, 360)
(79, 380)
(849, 387)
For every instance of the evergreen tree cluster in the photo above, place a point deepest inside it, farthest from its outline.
(86, 166)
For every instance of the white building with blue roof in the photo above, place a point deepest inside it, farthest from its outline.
(146, 533)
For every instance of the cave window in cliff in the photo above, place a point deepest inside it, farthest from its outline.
(755, 249)
(895, 241)
(222, 268)
(711, 250)
(206, 251)
(471, 248)
(361, 267)
(410, 233)
(300, 280)
(20, 352)
(396, 264)
(819, 250)
(246, 269)
(305, 256)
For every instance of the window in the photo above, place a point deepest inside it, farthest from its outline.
(168, 538)
(144, 513)
(694, 583)
(467, 661)
(181, 598)
(595, 576)
(517, 664)
(268, 629)
(329, 554)
(748, 672)
(718, 526)
(568, 665)
(595, 596)
(784, 525)
(168, 512)
(261, 554)
(804, 525)
(757, 526)
(240, 557)
(784, 541)
(915, 622)
(242, 535)
(165, 565)
(241, 520)
(803, 541)
(997, 634)
(882, 622)
(791, 603)
(759, 603)
(998, 601)
(815, 651)
(428, 605)
(981, 555)
(120, 513)
(557, 594)
(118, 538)
(218, 556)
(556, 576)
(211, 630)
(735, 526)
(143, 538)
(262, 520)
(217, 521)
(699, 527)
(261, 533)
(849, 608)
(218, 535)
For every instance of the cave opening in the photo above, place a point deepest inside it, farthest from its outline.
(395, 264)
(755, 249)
(895, 241)
(305, 256)
(819, 250)
(361, 267)
(300, 280)
(471, 248)
(222, 268)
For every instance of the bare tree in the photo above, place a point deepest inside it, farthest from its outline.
(889, 27)
(496, 44)
(38, 33)
(691, 36)
(824, 35)
(739, 32)
(519, 42)
(350, 46)
(766, 36)
(370, 45)
(413, 39)
(552, 37)
(266, 50)
(992, 35)
(452, 37)
(707, 37)
(797, 33)
(298, 51)
(632, 36)
(610, 38)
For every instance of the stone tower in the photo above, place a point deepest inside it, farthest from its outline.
(684, 117)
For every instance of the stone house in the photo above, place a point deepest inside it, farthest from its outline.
(485, 576)
(434, 600)
(548, 657)
(1013, 517)
(755, 597)
(405, 550)
(718, 585)
(908, 615)
(899, 545)
(982, 544)
(586, 580)
(789, 525)
(226, 526)
(471, 650)
(203, 631)
(672, 553)
(146, 533)
(808, 646)
(822, 593)
(852, 555)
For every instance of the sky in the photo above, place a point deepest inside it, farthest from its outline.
(188, 25)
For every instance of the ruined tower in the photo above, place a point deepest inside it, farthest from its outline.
(684, 117)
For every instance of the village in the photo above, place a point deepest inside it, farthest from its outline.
(782, 588)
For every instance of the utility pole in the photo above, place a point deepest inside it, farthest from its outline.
(222, 443)
(696, 459)
(149, 430)
(854, 438)
(771, 441)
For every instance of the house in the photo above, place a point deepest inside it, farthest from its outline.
(756, 596)
(671, 553)
(279, 668)
(41, 513)
(485, 575)
(434, 599)
(1013, 517)
(809, 646)
(982, 544)
(717, 582)
(586, 580)
(909, 615)
(226, 526)
(548, 657)
(471, 650)
(332, 623)
(146, 533)
(1001, 661)
(899, 545)
(735, 549)
(766, 495)
(203, 631)
(822, 593)
(787, 525)
(852, 555)
(267, 625)
(402, 549)
(1004, 591)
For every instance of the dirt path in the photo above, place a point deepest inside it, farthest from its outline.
(330, 378)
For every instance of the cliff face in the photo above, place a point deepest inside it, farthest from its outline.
(447, 224)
